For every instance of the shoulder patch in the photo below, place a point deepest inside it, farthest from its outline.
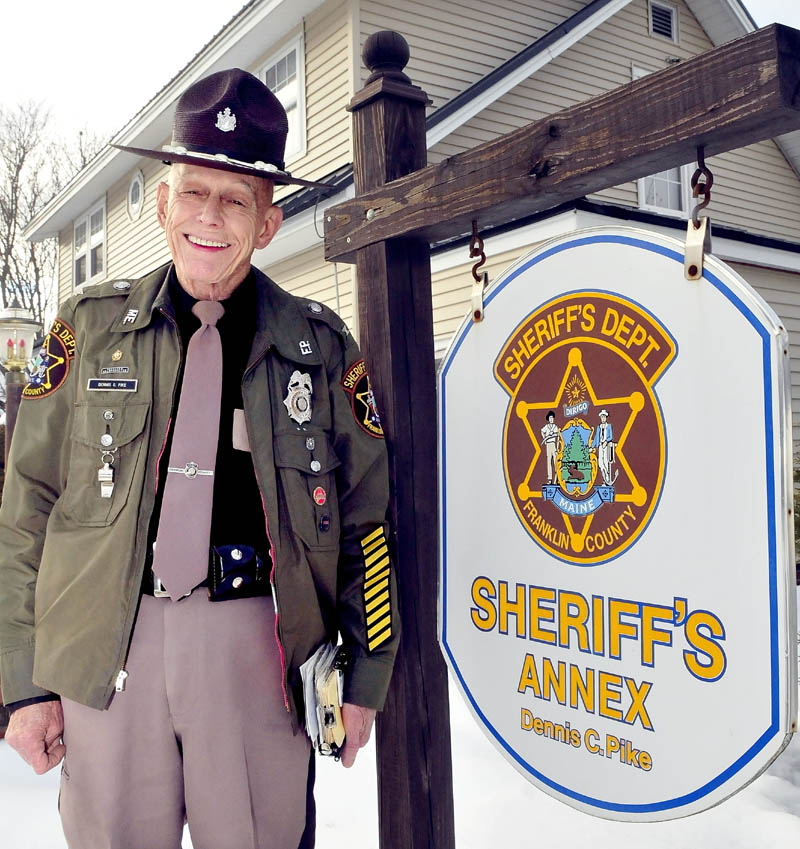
(51, 366)
(362, 401)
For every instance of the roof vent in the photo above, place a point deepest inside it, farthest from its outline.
(663, 20)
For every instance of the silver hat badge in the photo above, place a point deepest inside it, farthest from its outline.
(226, 121)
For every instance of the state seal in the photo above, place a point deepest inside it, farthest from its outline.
(584, 443)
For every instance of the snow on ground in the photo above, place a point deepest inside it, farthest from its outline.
(494, 806)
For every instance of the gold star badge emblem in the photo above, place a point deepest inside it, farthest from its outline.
(584, 443)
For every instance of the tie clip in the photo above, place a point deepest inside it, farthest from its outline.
(191, 470)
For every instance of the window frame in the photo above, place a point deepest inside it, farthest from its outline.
(685, 193)
(294, 45)
(673, 10)
(135, 211)
(90, 242)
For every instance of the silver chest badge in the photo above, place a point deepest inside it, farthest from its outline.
(226, 121)
(298, 399)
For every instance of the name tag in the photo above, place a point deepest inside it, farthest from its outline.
(103, 385)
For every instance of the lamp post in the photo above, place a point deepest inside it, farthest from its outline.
(20, 329)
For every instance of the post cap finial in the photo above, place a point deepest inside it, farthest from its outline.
(386, 53)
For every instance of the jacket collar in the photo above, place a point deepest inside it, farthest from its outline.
(280, 322)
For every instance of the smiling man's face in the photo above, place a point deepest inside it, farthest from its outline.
(213, 221)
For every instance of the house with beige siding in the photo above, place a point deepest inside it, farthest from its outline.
(488, 66)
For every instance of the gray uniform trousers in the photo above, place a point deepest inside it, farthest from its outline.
(200, 733)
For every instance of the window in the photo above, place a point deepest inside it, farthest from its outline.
(135, 200)
(89, 246)
(284, 74)
(663, 19)
(667, 191)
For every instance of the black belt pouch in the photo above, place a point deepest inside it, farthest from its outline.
(237, 571)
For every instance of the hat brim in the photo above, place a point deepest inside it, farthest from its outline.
(205, 161)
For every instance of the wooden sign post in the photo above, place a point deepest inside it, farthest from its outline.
(396, 332)
(738, 94)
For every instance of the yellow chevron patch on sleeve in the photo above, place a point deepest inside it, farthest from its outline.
(377, 597)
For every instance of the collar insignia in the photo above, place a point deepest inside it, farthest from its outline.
(130, 316)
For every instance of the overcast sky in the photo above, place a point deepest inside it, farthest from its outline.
(96, 63)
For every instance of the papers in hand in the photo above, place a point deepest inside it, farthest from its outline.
(322, 692)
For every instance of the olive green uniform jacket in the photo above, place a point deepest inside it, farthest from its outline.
(71, 561)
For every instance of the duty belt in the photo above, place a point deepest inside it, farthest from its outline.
(234, 571)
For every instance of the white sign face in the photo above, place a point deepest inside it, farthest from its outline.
(616, 558)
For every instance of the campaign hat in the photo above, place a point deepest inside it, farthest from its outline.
(230, 121)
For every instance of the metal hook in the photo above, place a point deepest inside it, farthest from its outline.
(698, 230)
(476, 249)
(481, 279)
(699, 188)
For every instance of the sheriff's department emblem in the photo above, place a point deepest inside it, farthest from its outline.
(584, 446)
(365, 410)
(51, 365)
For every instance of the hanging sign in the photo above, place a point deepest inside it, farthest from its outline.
(616, 585)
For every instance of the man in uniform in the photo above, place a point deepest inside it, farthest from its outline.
(156, 602)
(603, 443)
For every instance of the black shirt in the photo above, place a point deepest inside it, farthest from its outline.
(237, 514)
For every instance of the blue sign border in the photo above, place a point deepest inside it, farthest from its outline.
(773, 727)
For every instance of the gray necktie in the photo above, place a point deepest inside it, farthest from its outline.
(181, 553)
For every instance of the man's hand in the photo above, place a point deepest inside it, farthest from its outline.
(34, 732)
(357, 728)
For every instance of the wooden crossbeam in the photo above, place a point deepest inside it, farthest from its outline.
(738, 94)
